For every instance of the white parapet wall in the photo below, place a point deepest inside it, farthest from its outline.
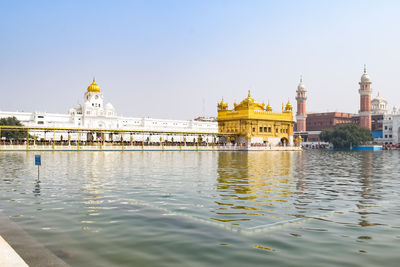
(8, 256)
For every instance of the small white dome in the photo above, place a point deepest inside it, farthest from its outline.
(77, 109)
(109, 106)
(301, 86)
(365, 78)
(379, 105)
(378, 99)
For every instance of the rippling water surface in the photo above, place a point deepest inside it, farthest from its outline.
(311, 208)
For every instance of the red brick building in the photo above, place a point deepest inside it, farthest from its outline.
(326, 120)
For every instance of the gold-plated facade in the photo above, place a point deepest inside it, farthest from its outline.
(252, 122)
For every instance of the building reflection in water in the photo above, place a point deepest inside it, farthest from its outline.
(92, 188)
(253, 184)
(302, 198)
(367, 197)
(300, 171)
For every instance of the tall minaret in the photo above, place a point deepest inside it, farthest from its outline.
(301, 106)
(365, 100)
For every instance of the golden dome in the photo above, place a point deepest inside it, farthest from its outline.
(268, 108)
(93, 87)
(288, 107)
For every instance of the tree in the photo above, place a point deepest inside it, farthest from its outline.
(346, 135)
(10, 134)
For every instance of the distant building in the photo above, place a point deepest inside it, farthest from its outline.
(301, 114)
(317, 122)
(373, 115)
(391, 127)
(209, 119)
(94, 114)
(378, 112)
(326, 120)
(365, 100)
(378, 115)
(252, 123)
(379, 105)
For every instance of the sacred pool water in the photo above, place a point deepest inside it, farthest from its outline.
(311, 208)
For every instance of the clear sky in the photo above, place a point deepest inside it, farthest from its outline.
(176, 59)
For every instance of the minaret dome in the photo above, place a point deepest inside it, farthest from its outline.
(365, 77)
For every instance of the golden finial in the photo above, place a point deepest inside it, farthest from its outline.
(248, 94)
(365, 68)
(94, 79)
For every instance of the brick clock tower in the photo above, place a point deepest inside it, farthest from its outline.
(365, 100)
(301, 107)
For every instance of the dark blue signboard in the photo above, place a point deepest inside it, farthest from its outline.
(37, 160)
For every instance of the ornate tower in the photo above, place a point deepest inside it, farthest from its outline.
(365, 100)
(93, 101)
(301, 107)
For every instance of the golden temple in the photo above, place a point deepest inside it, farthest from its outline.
(252, 123)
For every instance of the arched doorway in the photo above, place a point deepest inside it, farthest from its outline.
(232, 139)
(284, 141)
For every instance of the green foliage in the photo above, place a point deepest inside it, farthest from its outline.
(9, 134)
(346, 135)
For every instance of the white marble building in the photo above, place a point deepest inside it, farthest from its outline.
(93, 114)
(391, 127)
(390, 122)
(379, 105)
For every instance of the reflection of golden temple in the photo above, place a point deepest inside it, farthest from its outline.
(298, 141)
(252, 122)
(263, 178)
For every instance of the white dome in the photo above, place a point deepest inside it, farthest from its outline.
(301, 86)
(77, 109)
(109, 106)
(379, 105)
(365, 78)
(378, 99)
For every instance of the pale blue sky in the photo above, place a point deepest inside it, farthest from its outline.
(166, 58)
